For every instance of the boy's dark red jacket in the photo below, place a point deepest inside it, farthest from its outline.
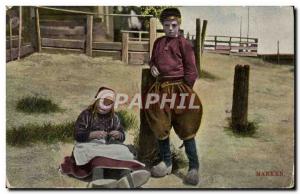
(174, 57)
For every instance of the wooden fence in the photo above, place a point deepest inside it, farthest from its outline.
(77, 35)
(15, 45)
(12, 48)
(231, 45)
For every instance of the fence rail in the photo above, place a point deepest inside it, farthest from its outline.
(231, 45)
(78, 35)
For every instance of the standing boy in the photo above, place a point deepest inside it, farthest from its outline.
(173, 65)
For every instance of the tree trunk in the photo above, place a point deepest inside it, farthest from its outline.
(147, 143)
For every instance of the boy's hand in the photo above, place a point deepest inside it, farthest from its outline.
(154, 71)
(98, 135)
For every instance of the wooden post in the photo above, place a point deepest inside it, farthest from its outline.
(20, 32)
(147, 143)
(125, 39)
(229, 45)
(216, 40)
(89, 36)
(188, 36)
(203, 35)
(198, 45)
(38, 30)
(239, 112)
(278, 55)
(152, 33)
(10, 39)
(140, 36)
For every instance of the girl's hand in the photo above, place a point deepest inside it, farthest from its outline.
(115, 134)
(98, 135)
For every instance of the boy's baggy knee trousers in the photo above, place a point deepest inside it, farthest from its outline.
(183, 112)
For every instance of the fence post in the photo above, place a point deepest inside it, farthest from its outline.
(152, 34)
(125, 37)
(278, 55)
(229, 45)
(20, 32)
(10, 39)
(89, 36)
(216, 39)
(203, 35)
(188, 36)
(38, 30)
(198, 45)
(239, 111)
(147, 152)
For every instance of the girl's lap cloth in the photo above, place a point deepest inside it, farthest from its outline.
(87, 156)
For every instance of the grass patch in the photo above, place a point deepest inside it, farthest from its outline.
(128, 120)
(46, 133)
(35, 104)
(250, 130)
(52, 133)
(207, 75)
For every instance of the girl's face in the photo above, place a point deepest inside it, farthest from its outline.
(171, 28)
(104, 105)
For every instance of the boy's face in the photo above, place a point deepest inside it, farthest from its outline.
(171, 28)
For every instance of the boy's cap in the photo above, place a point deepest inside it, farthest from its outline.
(170, 13)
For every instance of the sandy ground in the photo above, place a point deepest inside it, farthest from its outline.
(226, 161)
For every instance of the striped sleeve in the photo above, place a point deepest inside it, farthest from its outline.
(118, 126)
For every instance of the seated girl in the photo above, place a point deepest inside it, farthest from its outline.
(99, 151)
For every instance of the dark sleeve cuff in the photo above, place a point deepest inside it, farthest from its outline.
(82, 136)
(189, 84)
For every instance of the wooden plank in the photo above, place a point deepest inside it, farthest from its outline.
(62, 30)
(56, 50)
(116, 55)
(203, 33)
(209, 45)
(245, 48)
(139, 46)
(198, 46)
(20, 31)
(138, 58)
(90, 13)
(135, 31)
(242, 42)
(63, 36)
(132, 46)
(245, 54)
(89, 36)
(107, 46)
(33, 28)
(232, 37)
(125, 37)
(227, 41)
(15, 43)
(62, 43)
(152, 36)
(10, 38)
(139, 39)
(25, 50)
(57, 23)
(67, 10)
(222, 47)
(38, 30)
